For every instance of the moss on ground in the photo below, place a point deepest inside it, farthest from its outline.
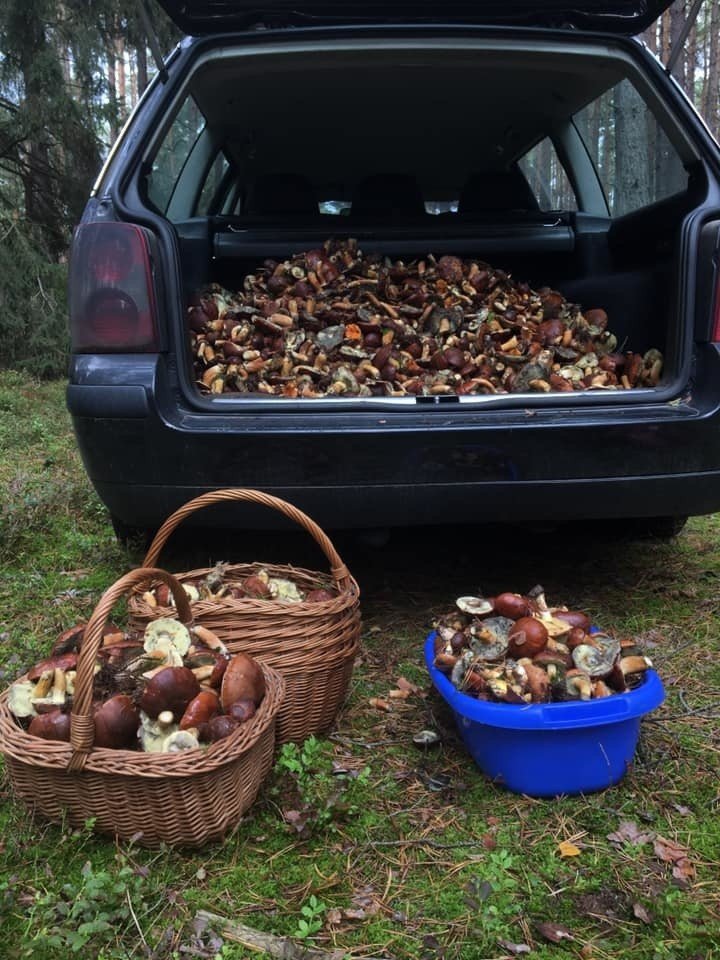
(397, 869)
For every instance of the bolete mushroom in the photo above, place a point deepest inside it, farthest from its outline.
(171, 689)
(527, 637)
(243, 680)
(116, 723)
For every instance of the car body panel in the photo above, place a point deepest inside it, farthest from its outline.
(150, 442)
(628, 17)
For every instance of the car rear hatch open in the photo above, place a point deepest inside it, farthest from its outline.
(625, 17)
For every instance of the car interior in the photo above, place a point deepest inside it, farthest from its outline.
(491, 154)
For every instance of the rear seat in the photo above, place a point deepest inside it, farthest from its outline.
(387, 196)
(281, 195)
(496, 191)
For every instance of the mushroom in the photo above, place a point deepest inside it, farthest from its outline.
(257, 586)
(242, 710)
(578, 685)
(209, 639)
(220, 727)
(154, 731)
(474, 606)
(555, 627)
(166, 635)
(200, 709)
(55, 697)
(512, 605)
(576, 618)
(527, 637)
(116, 723)
(538, 681)
(321, 595)
(597, 657)
(553, 663)
(243, 680)
(20, 699)
(285, 591)
(171, 689)
(66, 661)
(51, 726)
(489, 638)
(179, 741)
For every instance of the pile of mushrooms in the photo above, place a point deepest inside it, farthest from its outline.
(259, 585)
(514, 648)
(333, 322)
(173, 689)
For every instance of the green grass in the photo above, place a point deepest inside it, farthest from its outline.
(396, 869)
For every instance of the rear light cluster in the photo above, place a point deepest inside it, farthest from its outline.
(112, 297)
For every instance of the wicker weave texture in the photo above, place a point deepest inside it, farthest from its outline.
(313, 645)
(186, 799)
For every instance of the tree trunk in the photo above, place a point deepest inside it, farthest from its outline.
(142, 70)
(121, 77)
(710, 110)
(632, 178)
(677, 21)
(112, 91)
(650, 37)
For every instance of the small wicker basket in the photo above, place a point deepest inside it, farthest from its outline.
(313, 645)
(184, 799)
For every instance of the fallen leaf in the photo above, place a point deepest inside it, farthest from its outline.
(629, 832)
(380, 704)
(488, 841)
(567, 849)
(201, 874)
(297, 819)
(683, 811)
(333, 917)
(641, 913)
(352, 913)
(553, 932)
(683, 869)
(669, 850)
(404, 684)
(514, 948)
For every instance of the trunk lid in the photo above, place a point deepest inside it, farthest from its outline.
(625, 17)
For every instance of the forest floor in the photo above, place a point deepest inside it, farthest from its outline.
(402, 855)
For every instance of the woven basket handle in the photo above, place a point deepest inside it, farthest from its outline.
(338, 570)
(82, 723)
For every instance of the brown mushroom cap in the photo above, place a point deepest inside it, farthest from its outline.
(243, 680)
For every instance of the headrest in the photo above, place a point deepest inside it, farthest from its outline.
(496, 190)
(385, 195)
(278, 194)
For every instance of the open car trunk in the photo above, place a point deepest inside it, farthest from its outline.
(435, 154)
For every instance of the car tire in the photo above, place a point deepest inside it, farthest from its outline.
(657, 528)
(130, 536)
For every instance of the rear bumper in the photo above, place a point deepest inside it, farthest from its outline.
(146, 455)
(369, 506)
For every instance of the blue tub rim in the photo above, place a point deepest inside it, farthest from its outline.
(548, 716)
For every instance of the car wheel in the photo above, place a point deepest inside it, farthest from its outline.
(657, 528)
(129, 536)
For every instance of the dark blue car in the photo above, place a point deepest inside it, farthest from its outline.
(539, 138)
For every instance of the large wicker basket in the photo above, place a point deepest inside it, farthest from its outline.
(185, 799)
(313, 645)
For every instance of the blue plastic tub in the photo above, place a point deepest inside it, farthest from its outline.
(548, 749)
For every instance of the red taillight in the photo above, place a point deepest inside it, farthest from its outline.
(112, 299)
